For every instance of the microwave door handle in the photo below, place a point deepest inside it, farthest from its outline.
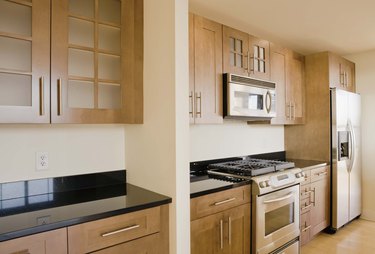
(268, 101)
(278, 199)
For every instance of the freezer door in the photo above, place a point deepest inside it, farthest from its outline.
(340, 168)
(355, 176)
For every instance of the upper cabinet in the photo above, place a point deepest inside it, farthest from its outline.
(244, 54)
(24, 62)
(341, 73)
(206, 79)
(95, 50)
(287, 71)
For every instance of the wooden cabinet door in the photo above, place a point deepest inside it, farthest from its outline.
(350, 76)
(24, 62)
(278, 75)
(321, 204)
(145, 245)
(208, 84)
(237, 240)
(52, 242)
(191, 69)
(305, 228)
(259, 58)
(336, 71)
(207, 234)
(97, 61)
(235, 51)
(295, 90)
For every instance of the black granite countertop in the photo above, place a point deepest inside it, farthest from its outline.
(61, 206)
(207, 186)
(307, 164)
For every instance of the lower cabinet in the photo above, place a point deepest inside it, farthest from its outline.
(52, 242)
(315, 203)
(224, 230)
(141, 232)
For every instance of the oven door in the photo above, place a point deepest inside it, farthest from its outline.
(276, 219)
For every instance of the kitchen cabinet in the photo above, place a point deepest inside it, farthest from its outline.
(287, 71)
(341, 73)
(78, 61)
(221, 222)
(315, 202)
(244, 54)
(52, 242)
(205, 69)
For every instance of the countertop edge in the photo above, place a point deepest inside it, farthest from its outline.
(218, 189)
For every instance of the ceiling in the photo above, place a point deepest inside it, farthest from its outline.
(307, 26)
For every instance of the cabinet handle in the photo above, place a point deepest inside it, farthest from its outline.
(21, 252)
(198, 112)
(313, 202)
(321, 173)
(221, 235)
(41, 96)
(121, 230)
(59, 97)
(294, 110)
(248, 62)
(289, 111)
(306, 207)
(306, 228)
(224, 201)
(191, 104)
(230, 230)
(346, 79)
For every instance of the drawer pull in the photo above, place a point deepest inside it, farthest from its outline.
(306, 228)
(321, 173)
(224, 201)
(306, 207)
(121, 230)
(307, 192)
(21, 252)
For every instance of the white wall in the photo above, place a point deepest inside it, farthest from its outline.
(72, 150)
(234, 138)
(365, 80)
(157, 152)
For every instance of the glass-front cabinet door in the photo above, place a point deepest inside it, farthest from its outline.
(94, 61)
(24, 61)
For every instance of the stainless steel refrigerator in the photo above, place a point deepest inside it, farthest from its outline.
(346, 157)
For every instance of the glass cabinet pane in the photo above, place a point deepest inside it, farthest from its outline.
(109, 67)
(232, 59)
(15, 18)
(80, 94)
(82, 8)
(15, 90)
(239, 46)
(81, 63)
(81, 32)
(110, 38)
(109, 96)
(15, 54)
(256, 51)
(110, 11)
(231, 43)
(239, 60)
(261, 53)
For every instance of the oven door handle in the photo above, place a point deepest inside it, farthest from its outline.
(278, 199)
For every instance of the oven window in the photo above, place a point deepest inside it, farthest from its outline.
(249, 100)
(278, 218)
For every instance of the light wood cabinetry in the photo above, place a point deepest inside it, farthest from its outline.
(341, 73)
(315, 203)
(52, 242)
(24, 63)
(244, 54)
(91, 51)
(206, 79)
(221, 222)
(287, 71)
(144, 231)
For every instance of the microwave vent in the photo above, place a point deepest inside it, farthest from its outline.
(250, 81)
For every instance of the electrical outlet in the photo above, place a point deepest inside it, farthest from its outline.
(41, 161)
(43, 220)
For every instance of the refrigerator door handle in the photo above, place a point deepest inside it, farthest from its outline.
(352, 146)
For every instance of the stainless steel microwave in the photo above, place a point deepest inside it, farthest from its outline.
(248, 98)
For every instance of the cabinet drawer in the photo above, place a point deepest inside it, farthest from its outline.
(305, 191)
(219, 201)
(319, 173)
(44, 243)
(307, 174)
(95, 235)
(148, 244)
(305, 228)
(305, 205)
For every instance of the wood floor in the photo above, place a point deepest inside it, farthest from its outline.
(357, 237)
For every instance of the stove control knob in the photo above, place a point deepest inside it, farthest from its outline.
(268, 183)
(262, 185)
(299, 175)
